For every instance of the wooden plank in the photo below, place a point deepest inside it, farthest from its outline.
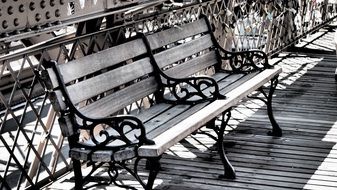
(108, 105)
(106, 81)
(302, 151)
(163, 38)
(56, 98)
(256, 182)
(170, 123)
(52, 82)
(284, 141)
(102, 155)
(266, 153)
(103, 59)
(207, 162)
(207, 171)
(233, 81)
(152, 112)
(182, 51)
(193, 66)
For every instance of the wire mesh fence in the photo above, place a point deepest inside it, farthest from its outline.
(33, 151)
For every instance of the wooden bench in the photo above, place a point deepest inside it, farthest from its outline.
(117, 105)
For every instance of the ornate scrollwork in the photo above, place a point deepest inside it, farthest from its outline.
(114, 169)
(246, 61)
(190, 90)
(125, 131)
(113, 172)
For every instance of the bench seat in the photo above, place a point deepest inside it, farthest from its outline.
(162, 120)
(205, 112)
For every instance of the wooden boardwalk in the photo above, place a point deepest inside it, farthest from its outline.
(305, 105)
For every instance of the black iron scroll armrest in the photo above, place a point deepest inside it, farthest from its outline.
(246, 61)
(113, 133)
(190, 90)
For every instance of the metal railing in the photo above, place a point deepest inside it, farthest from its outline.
(33, 152)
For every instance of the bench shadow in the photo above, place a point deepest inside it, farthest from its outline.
(304, 106)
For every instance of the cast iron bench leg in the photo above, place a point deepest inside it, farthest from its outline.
(268, 100)
(153, 165)
(78, 174)
(276, 131)
(229, 171)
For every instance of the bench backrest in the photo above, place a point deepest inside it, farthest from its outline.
(104, 83)
(184, 50)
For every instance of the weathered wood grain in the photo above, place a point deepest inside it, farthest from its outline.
(163, 38)
(109, 80)
(100, 60)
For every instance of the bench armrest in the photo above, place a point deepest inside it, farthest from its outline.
(124, 130)
(246, 61)
(190, 90)
(128, 130)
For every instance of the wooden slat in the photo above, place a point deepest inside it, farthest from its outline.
(56, 99)
(184, 112)
(152, 112)
(198, 173)
(160, 39)
(206, 172)
(193, 66)
(51, 82)
(101, 83)
(233, 81)
(165, 140)
(102, 155)
(182, 51)
(103, 59)
(108, 105)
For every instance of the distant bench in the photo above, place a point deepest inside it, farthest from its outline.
(136, 100)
